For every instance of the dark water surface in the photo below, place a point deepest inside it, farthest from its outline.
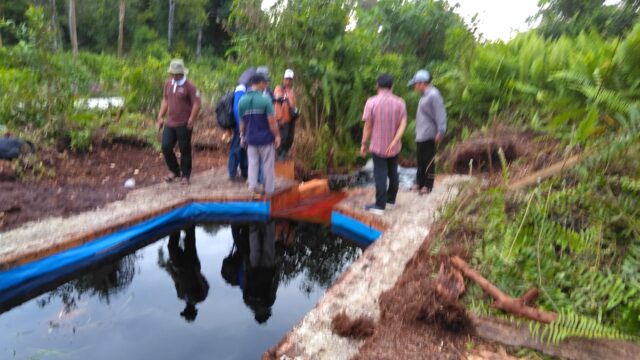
(174, 299)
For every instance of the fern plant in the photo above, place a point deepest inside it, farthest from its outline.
(569, 324)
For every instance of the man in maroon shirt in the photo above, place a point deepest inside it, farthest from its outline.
(181, 100)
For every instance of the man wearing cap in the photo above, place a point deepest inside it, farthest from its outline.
(385, 119)
(181, 101)
(286, 113)
(259, 130)
(264, 71)
(431, 125)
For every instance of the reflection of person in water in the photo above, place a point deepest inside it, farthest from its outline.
(184, 268)
(261, 281)
(251, 265)
(233, 265)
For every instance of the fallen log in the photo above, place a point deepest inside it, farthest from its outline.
(544, 173)
(502, 300)
(519, 335)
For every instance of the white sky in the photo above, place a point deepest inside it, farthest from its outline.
(497, 19)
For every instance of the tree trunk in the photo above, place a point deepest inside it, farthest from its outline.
(121, 28)
(0, 40)
(172, 10)
(53, 25)
(73, 35)
(199, 43)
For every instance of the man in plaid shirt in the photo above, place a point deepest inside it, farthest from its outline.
(385, 119)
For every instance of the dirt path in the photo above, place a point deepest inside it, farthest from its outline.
(84, 182)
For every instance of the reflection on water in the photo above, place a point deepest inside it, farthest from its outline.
(104, 283)
(184, 267)
(251, 265)
(230, 294)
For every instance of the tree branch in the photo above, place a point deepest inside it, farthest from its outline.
(502, 300)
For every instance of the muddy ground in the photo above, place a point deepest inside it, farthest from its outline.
(415, 322)
(81, 182)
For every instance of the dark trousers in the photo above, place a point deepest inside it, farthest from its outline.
(181, 135)
(287, 131)
(426, 151)
(237, 157)
(384, 168)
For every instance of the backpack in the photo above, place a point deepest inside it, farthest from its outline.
(11, 148)
(224, 111)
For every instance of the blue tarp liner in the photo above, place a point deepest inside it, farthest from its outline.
(21, 281)
(353, 229)
(30, 276)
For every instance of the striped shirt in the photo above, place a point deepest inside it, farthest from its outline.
(385, 111)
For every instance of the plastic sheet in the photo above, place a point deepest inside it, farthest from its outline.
(20, 283)
(353, 229)
(32, 275)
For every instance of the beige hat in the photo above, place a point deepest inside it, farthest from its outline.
(177, 67)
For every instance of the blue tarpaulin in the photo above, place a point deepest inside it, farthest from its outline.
(30, 276)
(353, 229)
(20, 281)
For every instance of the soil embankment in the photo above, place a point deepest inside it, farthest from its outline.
(83, 182)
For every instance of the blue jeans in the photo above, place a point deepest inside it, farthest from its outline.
(237, 157)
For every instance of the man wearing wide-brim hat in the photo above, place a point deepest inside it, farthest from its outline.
(181, 102)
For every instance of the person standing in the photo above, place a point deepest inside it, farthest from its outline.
(385, 120)
(181, 101)
(237, 154)
(259, 130)
(431, 125)
(286, 113)
(264, 71)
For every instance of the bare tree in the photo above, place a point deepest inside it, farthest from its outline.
(199, 44)
(121, 28)
(53, 25)
(172, 10)
(72, 27)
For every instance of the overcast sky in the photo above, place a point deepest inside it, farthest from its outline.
(497, 19)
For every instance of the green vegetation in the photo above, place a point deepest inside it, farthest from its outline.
(576, 236)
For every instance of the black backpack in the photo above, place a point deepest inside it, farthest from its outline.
(11, 148)
(224, 111)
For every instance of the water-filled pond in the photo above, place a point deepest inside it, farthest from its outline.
(204, 292)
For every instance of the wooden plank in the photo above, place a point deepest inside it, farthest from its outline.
(285, 169)
(572, 348)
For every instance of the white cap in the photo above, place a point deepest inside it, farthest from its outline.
(288, 74)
